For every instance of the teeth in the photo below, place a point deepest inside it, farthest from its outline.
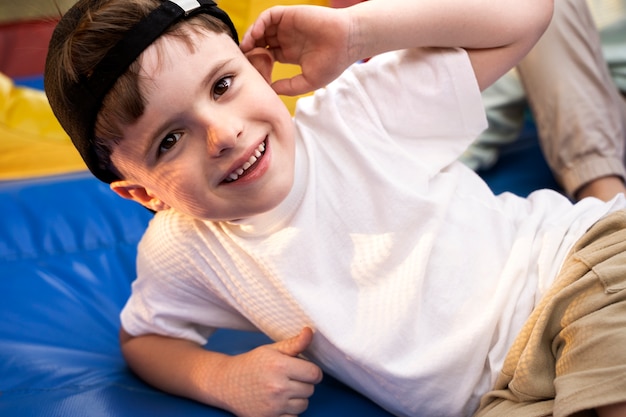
(239, 171)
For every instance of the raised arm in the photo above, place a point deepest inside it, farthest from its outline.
(268, 381)
(325, 41)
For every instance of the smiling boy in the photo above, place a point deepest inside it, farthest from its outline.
(246, 120)
(348, 234)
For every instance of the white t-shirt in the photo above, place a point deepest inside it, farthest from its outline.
(414, 276)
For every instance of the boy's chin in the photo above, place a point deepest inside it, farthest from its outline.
(270, 204)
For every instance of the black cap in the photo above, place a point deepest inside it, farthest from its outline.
(76, 103)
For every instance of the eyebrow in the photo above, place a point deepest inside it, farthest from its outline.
(154, 134)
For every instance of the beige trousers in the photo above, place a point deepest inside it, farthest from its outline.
(570, 356)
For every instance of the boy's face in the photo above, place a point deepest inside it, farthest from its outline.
(215, 141)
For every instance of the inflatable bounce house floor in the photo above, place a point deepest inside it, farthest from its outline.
(67, 250)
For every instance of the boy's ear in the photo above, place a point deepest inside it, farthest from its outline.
(139, 194)
(263, 61)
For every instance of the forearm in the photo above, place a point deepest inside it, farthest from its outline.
(476, 24)
(473, 25)
(176, 366)
(325, 41)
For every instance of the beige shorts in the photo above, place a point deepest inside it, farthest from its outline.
(571, 354)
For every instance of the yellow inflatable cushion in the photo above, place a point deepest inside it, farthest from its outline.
(32, 143)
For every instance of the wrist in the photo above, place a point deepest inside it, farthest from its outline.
(604, 188)
(368, 31)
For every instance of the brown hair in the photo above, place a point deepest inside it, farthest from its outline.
(102, 25)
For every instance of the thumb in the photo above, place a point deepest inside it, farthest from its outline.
(297, 344)
(294, 86)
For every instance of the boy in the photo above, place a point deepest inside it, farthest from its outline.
(351, 226)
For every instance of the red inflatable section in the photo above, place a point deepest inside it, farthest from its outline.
(23, 47)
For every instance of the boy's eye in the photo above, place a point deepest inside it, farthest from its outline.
(169, 142)
(222, 85)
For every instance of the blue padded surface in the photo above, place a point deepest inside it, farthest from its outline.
(521, 168)
(33, 81)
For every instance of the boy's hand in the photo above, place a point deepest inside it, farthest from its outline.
(313, 37)
(271, 381)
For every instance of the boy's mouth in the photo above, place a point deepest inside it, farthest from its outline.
(242, 170)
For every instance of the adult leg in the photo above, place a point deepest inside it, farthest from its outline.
(577, 107)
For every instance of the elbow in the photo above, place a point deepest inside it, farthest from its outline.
(530, 19)
(124, 336)
(548, 11)
(541, 15)
(532, 25)
(124, 339)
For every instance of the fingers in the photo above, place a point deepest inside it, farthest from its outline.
(295, 407)
(262, 30)
(255, 31)
(305, 373)
(299, 401)
(296, 344)
(292, 86)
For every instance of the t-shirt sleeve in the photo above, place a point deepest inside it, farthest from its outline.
(427, 100)
(438, 93)
(174, 293)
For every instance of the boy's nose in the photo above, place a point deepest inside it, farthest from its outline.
(221, 137)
